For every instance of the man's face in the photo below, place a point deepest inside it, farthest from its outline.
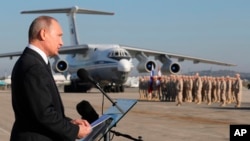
(54, 39)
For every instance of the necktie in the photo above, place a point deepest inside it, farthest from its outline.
(49, 67)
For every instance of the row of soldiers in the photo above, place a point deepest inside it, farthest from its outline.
(182, 88)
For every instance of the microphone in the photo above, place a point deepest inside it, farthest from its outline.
(83, 74)
(87, 112)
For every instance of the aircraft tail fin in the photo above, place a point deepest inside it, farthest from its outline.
(74, 9)
(71, 14)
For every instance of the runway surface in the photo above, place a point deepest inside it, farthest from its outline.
(161, 121)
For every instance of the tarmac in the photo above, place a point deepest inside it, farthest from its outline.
(151, 120)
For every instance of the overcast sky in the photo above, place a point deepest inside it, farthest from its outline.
(211, 29)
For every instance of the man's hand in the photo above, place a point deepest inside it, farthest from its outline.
(84, 127)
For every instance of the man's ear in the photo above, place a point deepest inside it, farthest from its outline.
(42, 34)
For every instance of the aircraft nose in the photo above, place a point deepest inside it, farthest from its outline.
(124, 65)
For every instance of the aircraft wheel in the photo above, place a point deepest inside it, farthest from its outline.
(121, 88)
(117, 89)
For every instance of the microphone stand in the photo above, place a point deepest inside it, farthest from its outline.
(113, 103)
(83, 74)
(106, 136)
(126, 136)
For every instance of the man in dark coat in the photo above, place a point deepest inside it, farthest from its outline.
(38, 109)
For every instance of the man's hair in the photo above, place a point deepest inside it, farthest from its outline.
(41, 22)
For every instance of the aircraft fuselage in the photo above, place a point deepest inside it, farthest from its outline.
(106, 64)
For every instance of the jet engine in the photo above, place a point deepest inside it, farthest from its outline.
(170, 68)
(60, 66)
(146, 66)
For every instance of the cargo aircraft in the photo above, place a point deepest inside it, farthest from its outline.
(108, 64)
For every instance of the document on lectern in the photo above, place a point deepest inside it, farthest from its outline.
(99, 128)
(100, 120)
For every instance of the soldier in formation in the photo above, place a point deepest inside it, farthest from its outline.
(198, 89)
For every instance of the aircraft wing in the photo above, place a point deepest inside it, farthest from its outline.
(63, 50)
(74, 49)
(134, 50)
(11, 54)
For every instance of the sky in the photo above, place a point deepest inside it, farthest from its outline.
(211, 29)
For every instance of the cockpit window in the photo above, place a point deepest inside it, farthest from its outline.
(119, 54)
(116, 53)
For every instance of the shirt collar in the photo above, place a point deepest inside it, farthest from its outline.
(40, 52)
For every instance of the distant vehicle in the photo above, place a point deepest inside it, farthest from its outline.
(132, 82)
(2, 83)
(7, 80)
(109, 64)
(61, 80)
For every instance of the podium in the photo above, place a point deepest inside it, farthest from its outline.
(110, 118)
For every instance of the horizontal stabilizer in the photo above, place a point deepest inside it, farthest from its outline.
(74, 9)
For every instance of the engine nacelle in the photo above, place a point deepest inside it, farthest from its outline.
(170, 68)
(60, 66)
(146, 66)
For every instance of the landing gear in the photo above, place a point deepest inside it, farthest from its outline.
(120, 88)
(77, 87)
(83, 87)
(113, 88)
